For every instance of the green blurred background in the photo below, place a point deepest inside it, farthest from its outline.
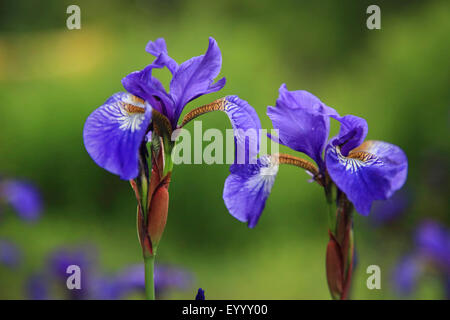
(52, 78)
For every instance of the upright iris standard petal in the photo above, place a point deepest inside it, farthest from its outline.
(114, 132)
(303, 122)
(373, 171)
(352, 133)
(248, 187)
(246, 126)
(143, 85)
(158, 48)
(195, 77)
(23, 197)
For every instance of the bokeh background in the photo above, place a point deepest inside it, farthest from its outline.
(52, 78)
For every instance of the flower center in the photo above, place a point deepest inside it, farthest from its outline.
(132, 108)
(132, 113)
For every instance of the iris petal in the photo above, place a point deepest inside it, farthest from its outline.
(114, 132)
(375, 176)
(246, 126)
(303, 122)
(158, 48)
(143, 85)
(248, 187)
(352, 133)
(195, 77)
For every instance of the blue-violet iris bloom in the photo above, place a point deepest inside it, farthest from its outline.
(364, 171)
(97, 284)
(114, 132)
(431, 250)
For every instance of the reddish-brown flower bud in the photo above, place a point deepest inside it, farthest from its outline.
(157, 213)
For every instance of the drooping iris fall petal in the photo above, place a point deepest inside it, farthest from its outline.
(114, 132)
(373, 171)
(246, 126)
(248, 187)
(303, 122)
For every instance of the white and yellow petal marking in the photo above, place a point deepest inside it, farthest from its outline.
(114, 132)
(132, 112)
(265, 178)
(372, 171)
(356, 159)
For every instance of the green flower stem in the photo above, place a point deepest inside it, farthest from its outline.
(330, 192)
(149, 277)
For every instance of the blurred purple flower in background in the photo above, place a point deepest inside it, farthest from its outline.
(387, 211)
(167, 278)
(37, 287)
(96, 284)
(431, 251)
(23, 197)
(10, 254)
(433, 243)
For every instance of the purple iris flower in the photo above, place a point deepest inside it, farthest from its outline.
(23, 197)
(166, 278)
(96, 284)
(10, 254)
(432, 250)
(364, 171)
(406, 274)
(433, 242)
(37, 287)
(389, 210)
(114, 132)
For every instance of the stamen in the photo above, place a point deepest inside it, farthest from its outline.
(217, 105)
(131, 108)
(137, 100)
(161, 123)
(298, 162)
(361, 155)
